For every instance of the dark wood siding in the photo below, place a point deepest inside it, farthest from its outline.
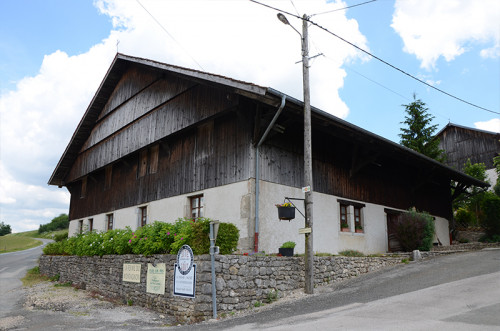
(384, 180)
(138, 114)
(461, 144)
(213, 153)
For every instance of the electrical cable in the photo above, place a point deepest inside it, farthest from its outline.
(376, 57)
(163, 28)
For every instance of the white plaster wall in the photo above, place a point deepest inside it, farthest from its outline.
(223, 203)
(442, 231)
(327, 236)
(491, 176)
(234, 203)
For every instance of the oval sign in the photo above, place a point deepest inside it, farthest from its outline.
(185, 258)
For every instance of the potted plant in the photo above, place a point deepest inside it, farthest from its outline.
(344, 227)
(359, 229)
(286, 211)
(287, 248)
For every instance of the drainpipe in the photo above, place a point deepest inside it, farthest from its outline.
(257, 171)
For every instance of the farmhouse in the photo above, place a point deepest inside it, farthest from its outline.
(159, 142)
(461, 143)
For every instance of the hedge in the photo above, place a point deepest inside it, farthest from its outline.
(155, 238)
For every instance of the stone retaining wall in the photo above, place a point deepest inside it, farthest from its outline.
(241, 281)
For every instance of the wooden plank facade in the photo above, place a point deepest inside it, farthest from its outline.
(461, 143)
(155, 131)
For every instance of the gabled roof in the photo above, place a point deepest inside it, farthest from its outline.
(252, 91)
(451, 125)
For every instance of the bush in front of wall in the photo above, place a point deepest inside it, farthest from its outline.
(415, 230)
(227, 238)
(154, 238)
(490, 207)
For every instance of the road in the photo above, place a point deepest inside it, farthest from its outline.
(13, 267)
(454, 292)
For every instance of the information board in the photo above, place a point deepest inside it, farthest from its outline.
(132, 272)
(155, 280)
(184, 283)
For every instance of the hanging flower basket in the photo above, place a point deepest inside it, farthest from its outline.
(286, 211)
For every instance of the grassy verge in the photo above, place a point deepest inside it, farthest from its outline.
(13, 243)
(33, 277)
(46, 235)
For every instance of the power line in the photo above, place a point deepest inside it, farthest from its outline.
(331, 11)
(163, 28)
(377, 58)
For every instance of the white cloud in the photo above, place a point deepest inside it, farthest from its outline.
(492, 125)
(431, 28)
(239, 39)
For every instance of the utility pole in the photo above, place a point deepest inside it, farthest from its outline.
(308, 179)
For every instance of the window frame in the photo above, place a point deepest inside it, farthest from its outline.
(109, 221)
(143, 216)
(197, 211)
(357, 220)
(91, 224)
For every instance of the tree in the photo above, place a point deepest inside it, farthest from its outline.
(418, 135)
(4, 229)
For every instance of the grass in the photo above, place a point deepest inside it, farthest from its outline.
(24, 240)
(16, 242)
(45, 235)
(33, 277)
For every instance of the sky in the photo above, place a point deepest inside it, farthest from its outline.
(55, 53)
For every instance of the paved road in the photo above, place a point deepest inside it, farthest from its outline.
(456, 292)
(13, 267)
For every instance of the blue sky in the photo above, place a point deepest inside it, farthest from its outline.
(54, 54)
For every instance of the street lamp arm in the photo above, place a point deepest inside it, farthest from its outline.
(284, 20)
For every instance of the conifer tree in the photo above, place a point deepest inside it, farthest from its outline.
(418, 133)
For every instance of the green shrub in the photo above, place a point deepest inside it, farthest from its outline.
(465, 217)
(61, 236)
(55, 248)
(155, 238)
(490, 208)
(288, 244)
(415, 230)
(227, 238)
(58, 223)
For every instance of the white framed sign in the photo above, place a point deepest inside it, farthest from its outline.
(131, 272)
(185, 284)
(155, 280)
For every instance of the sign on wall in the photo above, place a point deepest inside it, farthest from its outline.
(185, 273)
(185, 284)
(132, 272)
(155, 280)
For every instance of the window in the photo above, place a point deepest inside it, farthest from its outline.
(109, 221)
(197, 206)
(344, 221)
(91, 224)
(351, 216)
(143, 214)
(357, 219)
(80, 226)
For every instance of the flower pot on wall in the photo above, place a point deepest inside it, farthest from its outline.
(286, 251)
(345, 229)
(286, 213)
